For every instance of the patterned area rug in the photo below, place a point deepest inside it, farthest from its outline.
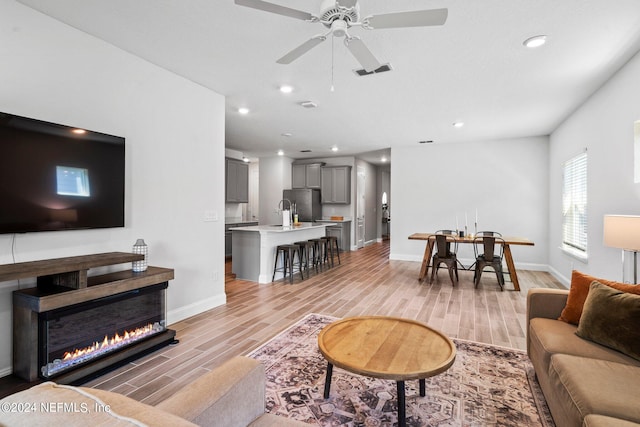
(486, 386)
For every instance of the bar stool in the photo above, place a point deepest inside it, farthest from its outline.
(331, 245)
(307, 248)
(319, 250)
(288, 258)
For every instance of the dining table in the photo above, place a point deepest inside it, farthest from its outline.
(508, 241)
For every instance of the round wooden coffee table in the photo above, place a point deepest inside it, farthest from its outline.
(386, 347)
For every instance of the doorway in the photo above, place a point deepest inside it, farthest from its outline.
(360, 206)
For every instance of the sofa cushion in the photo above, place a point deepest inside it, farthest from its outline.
(602, 421)
(49, 404)
(591, 386)
(549, 336)
(579, 290)
(612, 318)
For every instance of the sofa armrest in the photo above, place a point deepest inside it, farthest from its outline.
(546, 303)
(233, 394)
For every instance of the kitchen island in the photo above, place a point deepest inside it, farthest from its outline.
(254, 247)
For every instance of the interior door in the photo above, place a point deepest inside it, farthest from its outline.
(360, 207)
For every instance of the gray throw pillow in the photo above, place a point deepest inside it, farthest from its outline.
(611, 318)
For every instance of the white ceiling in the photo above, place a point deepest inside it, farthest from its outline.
(473, 69)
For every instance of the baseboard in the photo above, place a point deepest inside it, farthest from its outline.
(564, 280)
(470, 261)
(5, 371)
(182, 313)
(405, 257)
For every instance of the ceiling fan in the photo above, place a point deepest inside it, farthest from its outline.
(340, 15)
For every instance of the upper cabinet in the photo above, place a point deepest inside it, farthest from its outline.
(306, 175)
(336, 184)
(237, 185)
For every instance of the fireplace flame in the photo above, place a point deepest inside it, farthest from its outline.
(115, 340)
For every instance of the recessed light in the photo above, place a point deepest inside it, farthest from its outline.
(243, 110)
(245, 159)
(383, 160)
(535, 41)
(334, 148)
(286, 89)
(287, 134)
(280, 153)
(308, 104)
(79, 131)
(458, 124)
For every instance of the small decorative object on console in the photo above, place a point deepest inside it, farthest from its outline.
(141, 248)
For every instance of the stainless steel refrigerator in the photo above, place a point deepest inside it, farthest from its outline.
(307, 201)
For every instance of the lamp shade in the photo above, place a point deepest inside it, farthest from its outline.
(622, 231)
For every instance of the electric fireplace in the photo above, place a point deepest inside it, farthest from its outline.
(82, 333)
(73, 325)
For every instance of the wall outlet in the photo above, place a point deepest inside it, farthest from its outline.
(210, 216)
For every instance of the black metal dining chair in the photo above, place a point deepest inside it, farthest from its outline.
(446, 253)
(491, 256)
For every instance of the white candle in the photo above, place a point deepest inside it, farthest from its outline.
(457, 228)
(476, 215)
(466, 222)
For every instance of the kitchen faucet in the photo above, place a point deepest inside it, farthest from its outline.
(281, 205)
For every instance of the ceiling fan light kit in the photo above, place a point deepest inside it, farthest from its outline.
(339, 16)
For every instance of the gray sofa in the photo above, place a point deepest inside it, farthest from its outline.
(231, 395)
(584, 383)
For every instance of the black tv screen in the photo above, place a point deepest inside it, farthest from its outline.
(56, 177)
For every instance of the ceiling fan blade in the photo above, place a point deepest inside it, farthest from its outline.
(274, 8)
(347, 3)
(301, 50)
(418, 18)
(364, 56)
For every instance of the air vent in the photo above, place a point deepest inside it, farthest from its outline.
(305, 151)
(309, 104)
(381, 69)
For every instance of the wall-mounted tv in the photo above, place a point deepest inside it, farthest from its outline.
(56, 177)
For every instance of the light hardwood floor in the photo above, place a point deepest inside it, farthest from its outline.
(366, 282)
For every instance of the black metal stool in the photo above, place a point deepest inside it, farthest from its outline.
(288, 258)
(332, 248)
(319, 250)
(308, 254)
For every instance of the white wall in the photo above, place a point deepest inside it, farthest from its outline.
(506, 181)
(275, 176)
(174, 132)
(603, 125)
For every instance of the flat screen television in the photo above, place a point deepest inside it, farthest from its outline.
(56, 177)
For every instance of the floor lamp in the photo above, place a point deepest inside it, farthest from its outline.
(623, 231)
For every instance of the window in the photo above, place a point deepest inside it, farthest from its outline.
(636, 152)
(574, 206)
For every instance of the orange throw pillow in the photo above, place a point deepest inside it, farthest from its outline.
(580, 289)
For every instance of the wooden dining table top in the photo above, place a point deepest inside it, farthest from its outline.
(386, 347)
(510, 240)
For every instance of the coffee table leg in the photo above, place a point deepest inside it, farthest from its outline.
(327, 381)
(402, 414)
(423, 387)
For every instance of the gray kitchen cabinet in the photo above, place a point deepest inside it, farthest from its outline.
(237, 181)
(336, 184)
(306, 175)
(341, 230)
(228, 248)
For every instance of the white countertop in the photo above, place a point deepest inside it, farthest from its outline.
(281, 229)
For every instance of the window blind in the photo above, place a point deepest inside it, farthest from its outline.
(574, 204)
